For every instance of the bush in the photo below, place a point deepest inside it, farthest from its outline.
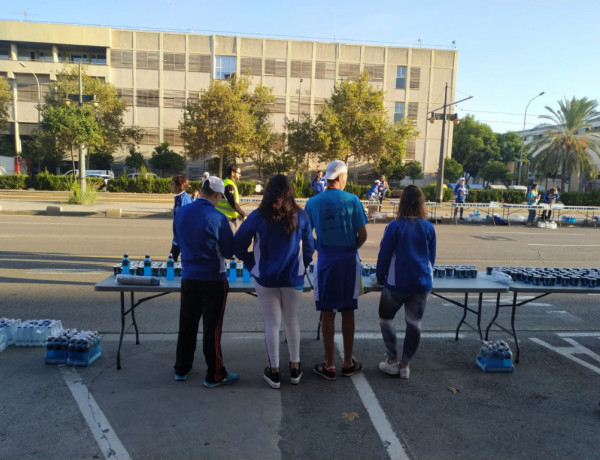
(119, 184)
(246, 188)
(359, 190)
(47, 181)
(430, 193)
(87, 197)
(581, 198)
(14, 181)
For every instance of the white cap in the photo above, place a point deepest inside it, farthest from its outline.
(215, 184)
(206, 174)
(334, 169)
(377, 181)
(462, 178)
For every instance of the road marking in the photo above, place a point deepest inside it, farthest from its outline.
(105, 435)
(378, 418)
(565, 245)
(568, 352)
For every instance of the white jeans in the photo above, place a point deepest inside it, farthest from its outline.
(280, 304)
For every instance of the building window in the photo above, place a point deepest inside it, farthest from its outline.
(413, 111)
(301, 69)
(146, 60)
(319, 104)
(151, 136)
(193, 96)
(398, 111)
(375, 72)
(174, 61)
(347, 70)
(172, 136)
(278, 105)
(225, 67)
(4, 50)
(400, 77)
(121, 58)
(199, 63)
(276, 67)
(27, 92)
(99, 59)
(147, 98)
(126, 94)
(415, 77)
(174, 98)
(325, 70)
(79, 58)
(411, 150)
(252, 65)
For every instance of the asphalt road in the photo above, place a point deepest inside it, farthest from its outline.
(547, 408)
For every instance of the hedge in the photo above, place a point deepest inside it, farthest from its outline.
(14, 181)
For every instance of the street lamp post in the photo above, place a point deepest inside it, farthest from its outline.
(523, 137)
(39, 88)
(444, 116)
(80, 99)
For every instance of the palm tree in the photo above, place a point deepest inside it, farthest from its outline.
(568, 145)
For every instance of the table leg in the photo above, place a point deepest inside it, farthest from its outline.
(133, 321)
(462, 320)
(512, 326)
(479, 315)
(493, 320)
(122, 329)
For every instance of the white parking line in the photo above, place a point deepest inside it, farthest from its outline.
(103, 432)
(378, 418)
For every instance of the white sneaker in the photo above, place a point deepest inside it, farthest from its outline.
(404, 372)
(392, 369)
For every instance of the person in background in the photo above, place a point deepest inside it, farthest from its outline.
(283, 249)
(195, 194)
(383, 188)
(179, 186)
(206, 241)
(230, 202)
(339, 222)
(373, 192)
(460, 195)
(550, 197)
(405, 267)
(532, 199)
(206, 175)
(318, 184)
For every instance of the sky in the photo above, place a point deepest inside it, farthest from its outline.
(509, 50)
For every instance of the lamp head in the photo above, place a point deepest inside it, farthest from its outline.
(22, 64)
(542, 93)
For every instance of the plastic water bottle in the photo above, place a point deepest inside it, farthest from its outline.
(232, 270)
(170, 268)
(125, 264)
(147, 265)
(245, 275)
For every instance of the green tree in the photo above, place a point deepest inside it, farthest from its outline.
(568, 145)
(221, 122)
(474, 145)
(101, 160)
(354, 122)
(414, 170)
(166, 160)
(496, 171)
(135, 160)
(5, 98)
(452, 170)
(264, 135)
(302, 139)
(510, 146)
(70, 127)
(109, 131)
(389, 167)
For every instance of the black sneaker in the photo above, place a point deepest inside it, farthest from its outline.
(272, 378)
(355, 368)
(324, 371)
(295, 374)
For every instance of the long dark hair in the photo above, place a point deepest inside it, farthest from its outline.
(278, 205)
(412, 203)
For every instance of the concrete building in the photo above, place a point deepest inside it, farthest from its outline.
(156, 72)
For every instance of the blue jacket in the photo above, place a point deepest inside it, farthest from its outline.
(205, 239)
(180, 200)
(547, 197)
(457, 190)
(277, 260)
(407, 255)
(373, 193)
(318, 185)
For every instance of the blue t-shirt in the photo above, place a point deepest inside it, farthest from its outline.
(336, 217)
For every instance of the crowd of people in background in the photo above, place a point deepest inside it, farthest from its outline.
(276, 243)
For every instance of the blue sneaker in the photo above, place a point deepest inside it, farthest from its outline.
(230, 379)
(180, 378)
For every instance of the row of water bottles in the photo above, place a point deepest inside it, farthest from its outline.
(237, 270)
(35, 332)
(168, 269)
(73, 348)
